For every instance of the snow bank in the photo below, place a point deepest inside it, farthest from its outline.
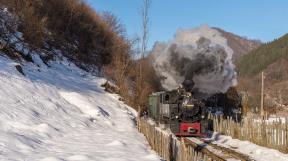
(62, 114)
(258, 153)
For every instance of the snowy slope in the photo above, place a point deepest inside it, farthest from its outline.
(62, 114)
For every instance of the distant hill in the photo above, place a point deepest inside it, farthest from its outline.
(260, 58)
(272, 59)
(238, 44)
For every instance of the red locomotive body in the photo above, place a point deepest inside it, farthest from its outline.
(190, 129)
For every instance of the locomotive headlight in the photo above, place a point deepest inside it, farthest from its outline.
(202, 116)
(176, 117)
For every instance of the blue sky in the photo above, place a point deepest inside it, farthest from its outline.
(255, 19)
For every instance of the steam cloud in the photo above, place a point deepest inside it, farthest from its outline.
(199, 59)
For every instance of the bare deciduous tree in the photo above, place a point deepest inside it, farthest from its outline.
(145, 26)
(144, 41)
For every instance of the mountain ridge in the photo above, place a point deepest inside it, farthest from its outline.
(240, 45)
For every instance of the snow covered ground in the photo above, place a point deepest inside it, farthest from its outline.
(62, 114)
(256, 152)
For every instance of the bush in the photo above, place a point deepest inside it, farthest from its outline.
(70, 25)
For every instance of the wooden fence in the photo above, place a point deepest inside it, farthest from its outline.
(168, 146)
(261, 131)
(272, 134)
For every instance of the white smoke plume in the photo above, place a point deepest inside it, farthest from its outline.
(200, 59)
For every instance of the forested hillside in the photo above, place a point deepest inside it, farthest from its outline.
(272, 59)
(260, 58)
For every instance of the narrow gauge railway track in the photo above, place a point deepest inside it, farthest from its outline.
(215, 151)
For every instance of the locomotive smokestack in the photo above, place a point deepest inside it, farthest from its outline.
(199, 59)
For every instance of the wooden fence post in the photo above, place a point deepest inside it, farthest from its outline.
(286, 130)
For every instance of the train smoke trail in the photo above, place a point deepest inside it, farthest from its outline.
(199, 59)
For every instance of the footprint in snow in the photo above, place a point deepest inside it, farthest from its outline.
(116, 143)
(79, 158)
(52, 159)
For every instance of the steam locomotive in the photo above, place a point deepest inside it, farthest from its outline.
(179, 111)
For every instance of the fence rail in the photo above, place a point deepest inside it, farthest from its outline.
(261, 131)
